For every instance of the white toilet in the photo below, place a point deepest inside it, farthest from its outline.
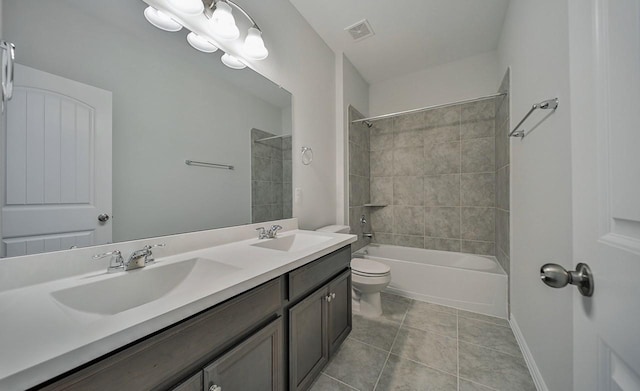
(368, 279)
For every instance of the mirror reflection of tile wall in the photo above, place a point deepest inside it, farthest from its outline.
(270, 177)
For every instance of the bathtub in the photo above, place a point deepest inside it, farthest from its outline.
(464, 281)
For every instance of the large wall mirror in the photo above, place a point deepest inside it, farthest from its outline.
(106, 112)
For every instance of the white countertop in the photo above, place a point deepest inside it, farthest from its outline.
(41, 339)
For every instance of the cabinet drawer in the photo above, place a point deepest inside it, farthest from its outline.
(194, 383)
(160, 361)
(308, 277)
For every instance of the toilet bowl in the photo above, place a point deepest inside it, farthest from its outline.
(368, 279)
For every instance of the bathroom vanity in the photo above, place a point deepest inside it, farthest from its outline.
(272, 323)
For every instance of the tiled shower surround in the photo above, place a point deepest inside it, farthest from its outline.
(436, 171)
(270, 177)
(359, 179)
(502, 176)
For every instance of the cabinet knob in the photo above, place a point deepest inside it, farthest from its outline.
(333, 295)
(215, 387)
(328, 298)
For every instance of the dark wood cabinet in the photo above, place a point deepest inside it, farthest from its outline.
(255, 364)
(318, 325)
(277, 336)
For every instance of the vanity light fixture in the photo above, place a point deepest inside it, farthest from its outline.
(169, 15)
(189, 7)
(232, 62)
(161, 20)
(199, 43)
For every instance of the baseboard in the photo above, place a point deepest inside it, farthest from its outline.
(528, 357)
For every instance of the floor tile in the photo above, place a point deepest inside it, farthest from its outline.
(422, 316)
(357, 364)
(488, 335)
(406, 375)
(431, 349)
(325, 383)
(466, 385)
(494, 369)
(378, 332)
(394, 309)
(484, 318)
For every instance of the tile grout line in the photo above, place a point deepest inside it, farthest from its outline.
(480, 384)
(340, 381)
(495, 350)
(390, 349)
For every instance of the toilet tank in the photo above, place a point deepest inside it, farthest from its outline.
(338, 229)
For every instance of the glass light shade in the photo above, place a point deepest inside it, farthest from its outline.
(199, 43)
(189, 7)
(223, 22)
(232, 62)
(254, 45)
(161, 20)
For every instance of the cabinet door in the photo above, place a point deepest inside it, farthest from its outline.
(308, 347)
(255, 364)
(339, 310)
(194, 383)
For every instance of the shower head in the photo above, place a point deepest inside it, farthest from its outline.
(369, 124)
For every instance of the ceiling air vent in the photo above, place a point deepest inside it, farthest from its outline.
(360, 30)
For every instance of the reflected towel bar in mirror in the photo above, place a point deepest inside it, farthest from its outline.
(205, 164)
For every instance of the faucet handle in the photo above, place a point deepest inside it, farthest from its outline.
(273, 231)
(262, 233)
(149, 257)
(113, 265)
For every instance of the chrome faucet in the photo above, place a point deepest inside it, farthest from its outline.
(271, 233)
(137, 259)
(140, 258)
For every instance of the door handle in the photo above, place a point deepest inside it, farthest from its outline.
(103, 217)
(556, 276)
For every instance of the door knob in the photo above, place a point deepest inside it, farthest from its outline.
(103, 217)
(556, 276)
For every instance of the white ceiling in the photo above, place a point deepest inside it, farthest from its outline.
(410, 35)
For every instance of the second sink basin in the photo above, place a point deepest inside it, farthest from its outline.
(292, 243)
(125, 290)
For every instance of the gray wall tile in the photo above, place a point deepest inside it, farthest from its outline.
(380, 140)
(407, 190)
(502, 188)
(382, 190)
(408, 138)
(442, 244)
(442, 158)
(478, 155)
(477, 224)
(442, 190)
(478, 189)
(381, 163)
(477, 128)
(383, 238)
(442, 222)
(409, 241)
(408, 220)
(382, 219)
(476, 247)
(446, 116)
(408, 161)
(413, 121)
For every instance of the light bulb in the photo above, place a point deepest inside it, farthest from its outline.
(254, 45)
(223, 22)
(200, 43)
(161, 20)
(232, 62)
(189, 7)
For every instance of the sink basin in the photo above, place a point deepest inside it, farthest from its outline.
(292, 243)
(125, 290)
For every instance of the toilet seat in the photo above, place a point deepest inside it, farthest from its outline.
(369, 268)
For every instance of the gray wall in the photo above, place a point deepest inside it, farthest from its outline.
(359, 180)
(502, 176)
(270, 177)
(436, 172)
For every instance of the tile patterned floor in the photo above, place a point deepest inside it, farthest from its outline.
(424, 346)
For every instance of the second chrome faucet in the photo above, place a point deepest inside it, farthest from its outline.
(270, 233)
(137, 259)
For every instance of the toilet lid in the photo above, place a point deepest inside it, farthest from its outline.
(368, 267)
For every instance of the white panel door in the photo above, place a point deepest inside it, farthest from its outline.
(58, 164)
(605, 68)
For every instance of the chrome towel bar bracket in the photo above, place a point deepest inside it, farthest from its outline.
(550, 104)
